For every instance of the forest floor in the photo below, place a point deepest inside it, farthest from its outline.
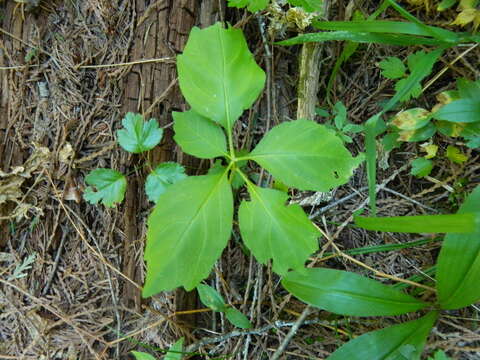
(71, 272)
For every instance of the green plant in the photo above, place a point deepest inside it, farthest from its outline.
(108, 186)
(339, 123)
(211, 298)
(192, 220)
(174, 353)
(257, 5)
(345, 293)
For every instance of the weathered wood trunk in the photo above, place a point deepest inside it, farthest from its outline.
(161, 32)
(17, 37)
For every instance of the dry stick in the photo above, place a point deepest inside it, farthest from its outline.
(291, 333)
(236, 333)
(136, 62)
(441, 72)
(160, 98)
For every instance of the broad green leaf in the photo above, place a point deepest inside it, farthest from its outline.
(237, 318)
(463, 110)
(305, 155)
(455, 223)
(199, 136)
(439, 355)
(387, 27)
(308, 5)
(468, 89)
(421, 134)
(362, 37)
(411, 119)
(392, 67)
(218, 75)
(106, 185)
(176, 351)
(455, 155)
(137, 135)
(474, 142)
(389, 343)
(211, 298)
(187, 232)
(421, 167)
(273, 230)
(347, 293)
(252, 5)
(458, 265)
(142, 356)
(164, 175)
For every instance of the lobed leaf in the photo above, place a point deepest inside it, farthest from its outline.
(458, 265)
(218, 75)
(110, 187)
(305, 155)
(454, 223)
(392, 67)
(187, 232)
(164, 175)
(421, 167)
(198, 136)
(423, 67)
(139, 136)
(272, 230)
(347, 293)
(398, 342)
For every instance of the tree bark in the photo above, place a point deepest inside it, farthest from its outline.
(161, 31)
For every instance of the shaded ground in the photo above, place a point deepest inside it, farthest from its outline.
(59, 108)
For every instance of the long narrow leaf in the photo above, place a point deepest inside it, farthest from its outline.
(456, 223)
(403, 341)
(433, 31)
(362, 37)
(459, 263)
(371, 132)
(388, 27)
(347, 293)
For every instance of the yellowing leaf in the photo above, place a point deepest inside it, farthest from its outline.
(421, 134)
(411, 119)
(430, 149)
(467, 4)
(446, 97)
(454, 154)
(449, 128)
(465, 17)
